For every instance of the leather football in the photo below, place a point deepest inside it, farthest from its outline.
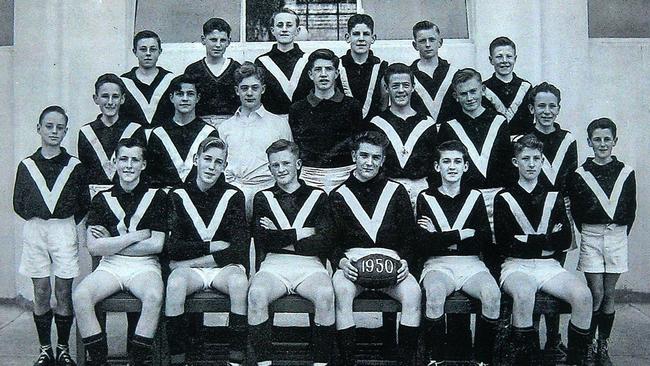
(377, 271)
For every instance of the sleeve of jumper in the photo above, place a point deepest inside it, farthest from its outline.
(405, 223)
(269, 241)
(337, 204)
(84, 150)
(320, 244)
(478, 220)
(449, 108)
(576, 197)
(502, 155)
(178, 246)
(560, 240)
(83, 194)
(504, 230)
(356, 117)
(429, 244)
(629, 196)
(155, 154)
(237, 234)
(20, 198)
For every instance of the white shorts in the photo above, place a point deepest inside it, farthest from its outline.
(325, 178)
(488, 197)
(413, 187)
(208, 274)
(540, 270)
(50, 242)
(603, 249)
(125, 268)
(459, 268)
(291, 269)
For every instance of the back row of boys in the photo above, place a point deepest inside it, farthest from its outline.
(320, 124)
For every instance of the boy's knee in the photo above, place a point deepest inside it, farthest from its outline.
(324, 298)
(258, 298)
(152, 298)
(238, 282)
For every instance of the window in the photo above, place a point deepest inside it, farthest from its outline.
(6, 22)
(619, 19)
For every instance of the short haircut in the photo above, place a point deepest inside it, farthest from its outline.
(424, 25)
(464, 75)
(528, 141)
(544, 88)
(370, 137)
(112, 79)
(249, 69)
(145, 34)
(283, 145)
(502, 41)
(361, 19)
(397, 68)
(130, 142)
(601, 123)
(216, 24)
(452, 145)
(323, 54)
(209, 142)
(53, 108)
(175, 84)
(286, 11)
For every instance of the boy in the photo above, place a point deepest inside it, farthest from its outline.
(206, 247)
(505, 91)
(454, 228)
(433, 94)
(172, 146)
(49, 194)
(361, 72)
(215, 74)
(603, 204)
(388, 231)
(410, 156)
(249, 132)
(322, 123)
(101, 136)
(292, 230)
(284, 64)
(147, 84)
(126, 230)
(531, 225)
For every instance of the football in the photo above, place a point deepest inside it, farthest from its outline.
(377, 271)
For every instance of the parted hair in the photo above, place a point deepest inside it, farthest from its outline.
(451, 145)
(398, 68)
(176, 82)
(216, 24)
(249, 69)
(464, 75)
(601, 123)
(283, 145)
(145, 34)
(130, 142)
(323, 54)
(112, 79)
(423, 25)
(502, 41)
(369, 137)
(212, 141)
(543, 88)
(286, 11)
(361, 19)
(53, 108)
(528, 141)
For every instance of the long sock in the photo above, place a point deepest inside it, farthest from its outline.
(595, 319)
(323, 341)
(177, 329)
(97, 348)
(63, 326)
(578, 340)
(459, 336)
(141, 348)
(347, 340)
(605, 324)
(260, 338)
(486, 331)
(434, 337)
(44, 328)
(238, 325)
(524, 343)
(408, 344)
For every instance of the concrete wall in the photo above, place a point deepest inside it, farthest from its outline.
(597, 78)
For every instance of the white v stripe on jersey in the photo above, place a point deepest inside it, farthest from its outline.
(50, 197)
(481, 159)
(610, 203)
(288, 85)
(551, 169)
(470, 201)
(183, 166)
(509, 111)
(149, 107)
(403, 150)
(523, 221)
(221, 69)
(302, 215)
(370, 225)
(371, 86)
(433, 105)
(206, 232)
(99, 149)
(118, 211)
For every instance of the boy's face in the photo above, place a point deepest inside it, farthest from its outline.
(427, 42)
(368, 158)
(250, 91)
(503, 59)
(109, 98)
(52, 129)
(469, 94)
(185, 99)
(147, 52)
(284, 167)
(210, 164)
(360, 38)
(400, 88)
(529, 163)
(451, 166)
(129, 163)
(602, 141)
(215, 43)
(324, 74)
(285, 28)
(545, 108)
